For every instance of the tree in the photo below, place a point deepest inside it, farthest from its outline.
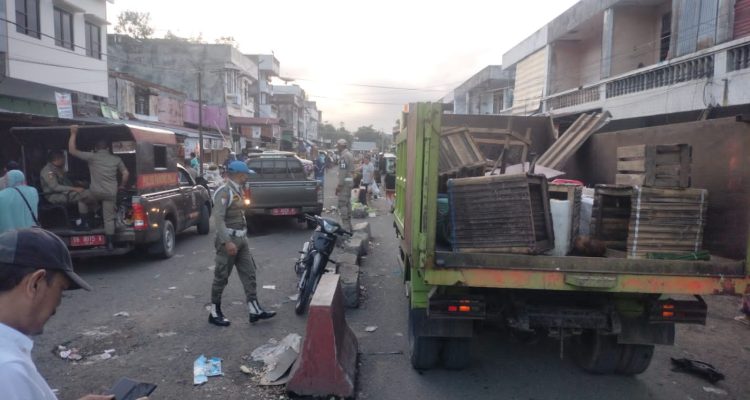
(330, 132)
(367, 134)
(228, 40)
(135, 24)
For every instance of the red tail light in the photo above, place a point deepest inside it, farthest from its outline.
(140, 218)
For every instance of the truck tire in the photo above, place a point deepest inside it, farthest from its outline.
(634, 358)
(165, 247)
(424, 351)
(597, 353)
(204, 222)
(456, 353)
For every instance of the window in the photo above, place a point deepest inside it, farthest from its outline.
(93, 40)
(498, 102)
(141, 101)
(27, 17)
(185, 179)
(63, 28)
(160, 157)
(666, 36)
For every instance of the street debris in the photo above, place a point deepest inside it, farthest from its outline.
(372, 328)
(720, 392)
(204, 368)
(245, 370)
(106, 355)
(269, 287)
(188, 296)
(166, 334)
(294, 297)
(399, 334)
(172, 288)
(237, 303)
(278, 358)
(121, 314)
(69, 354)
(697, 368)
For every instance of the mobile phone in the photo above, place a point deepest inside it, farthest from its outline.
(128, 389)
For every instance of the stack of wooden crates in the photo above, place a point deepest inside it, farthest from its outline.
(651, 211)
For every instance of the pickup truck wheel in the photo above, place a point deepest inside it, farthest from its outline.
(204, 224)
(424, 351)
(634, 358)
(311, 224)
(596, 353)
(456, 353)
(165, 247)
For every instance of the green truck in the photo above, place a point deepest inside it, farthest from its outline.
(607, 312)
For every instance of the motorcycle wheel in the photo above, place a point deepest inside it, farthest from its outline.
(309, 283)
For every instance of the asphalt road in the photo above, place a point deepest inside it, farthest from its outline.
(166, 329)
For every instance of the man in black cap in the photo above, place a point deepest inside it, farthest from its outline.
(35, 268)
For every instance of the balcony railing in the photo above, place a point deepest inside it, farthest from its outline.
(581, 96)
(738, 58)
(698, 68)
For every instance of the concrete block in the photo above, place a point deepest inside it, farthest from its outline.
(350, 284)
(327, 364)
(354, 246)
(347, 258)
(365, 239)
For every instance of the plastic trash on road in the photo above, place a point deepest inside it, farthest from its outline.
(204, 368)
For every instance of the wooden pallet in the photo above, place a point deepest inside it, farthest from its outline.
(666, 166)
(458, 151)
(644, 220)
(571, 193)
(501, 214)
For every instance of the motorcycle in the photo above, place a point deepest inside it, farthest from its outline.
(314, 257)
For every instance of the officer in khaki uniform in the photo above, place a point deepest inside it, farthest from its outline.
(231, 246)
(103, 167)
(58, 189)
(346, 182)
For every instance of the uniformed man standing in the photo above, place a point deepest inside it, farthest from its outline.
(103, 167)
(58, 189)
(346, 181)
(231, 246)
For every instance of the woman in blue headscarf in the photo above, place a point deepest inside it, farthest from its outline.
(18, 203)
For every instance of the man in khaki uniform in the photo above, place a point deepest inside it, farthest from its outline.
(232, 247)
(346, 181)
(58, 189)
(103, 167)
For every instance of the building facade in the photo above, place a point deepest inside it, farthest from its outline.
(50, 47)
(635, 58)
(489, 91)
(268, 67)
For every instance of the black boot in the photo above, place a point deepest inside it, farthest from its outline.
(257, 312)
(110, 242)
(216, 317)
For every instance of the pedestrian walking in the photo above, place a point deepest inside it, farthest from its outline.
(346, 181)
(320, 167)
(18, 203)
(231, 245)
(57, 188)
(35, 268)
(368, 177)
(195, 162)
(103, 168)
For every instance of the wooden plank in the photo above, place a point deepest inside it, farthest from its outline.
(631, 166)
(637, 151)
(630, 179)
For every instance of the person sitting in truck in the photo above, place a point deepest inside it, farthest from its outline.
(57, 188)
(11, 165)
(103, 167)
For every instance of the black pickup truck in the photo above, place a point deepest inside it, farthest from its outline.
(280, 187)
(161, 198)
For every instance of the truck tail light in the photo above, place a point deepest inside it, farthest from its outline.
(683, 311)
(456, 307)
(140, 218)
(247, 195)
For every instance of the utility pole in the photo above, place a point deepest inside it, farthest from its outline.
(200, 120)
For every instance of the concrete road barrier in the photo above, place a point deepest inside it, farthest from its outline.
(327, 364)
(350, 284)
(362, 227)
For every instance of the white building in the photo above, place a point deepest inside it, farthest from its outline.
(53, 46)
(635, 58)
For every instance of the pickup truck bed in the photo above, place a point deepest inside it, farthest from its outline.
(280, 187)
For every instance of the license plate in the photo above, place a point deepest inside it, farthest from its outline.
(284, 211)
(88, 240)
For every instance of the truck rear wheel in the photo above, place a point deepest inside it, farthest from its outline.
(424, 350)
(597, 353)
(164, 248)
(456, 353)
(634, 358)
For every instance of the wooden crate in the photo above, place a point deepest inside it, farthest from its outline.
(501, 214)
(665, 166)
(644, 220)
(610, 215)
(571, 193)
(666, 221)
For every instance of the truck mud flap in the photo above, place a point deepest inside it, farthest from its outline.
(425, 326)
